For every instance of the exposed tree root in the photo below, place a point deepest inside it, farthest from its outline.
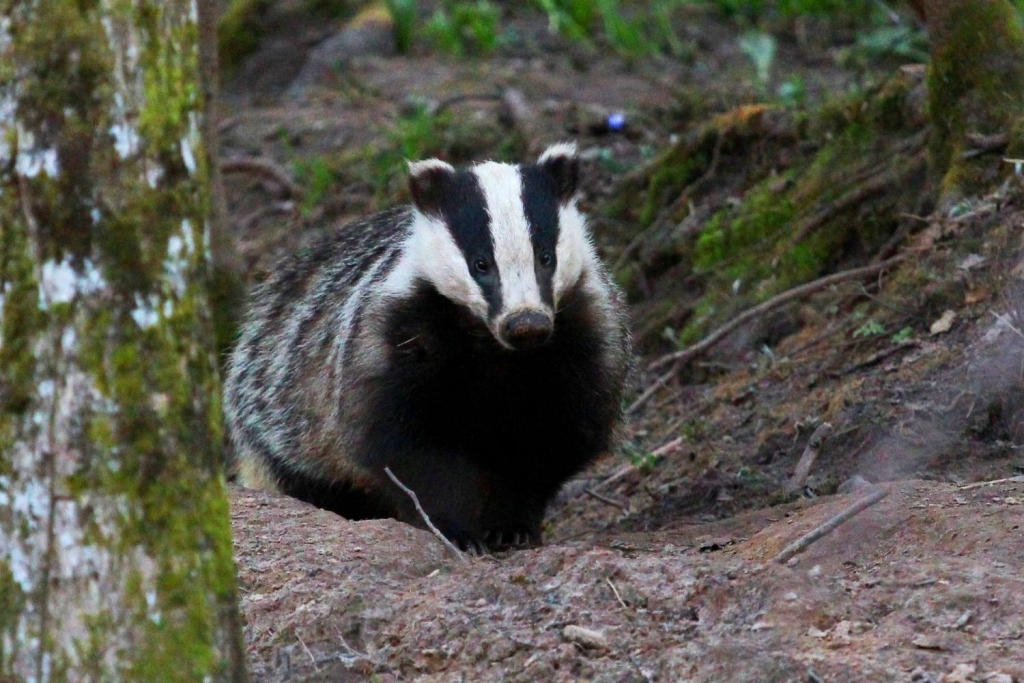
(264, 168)
(686, 355)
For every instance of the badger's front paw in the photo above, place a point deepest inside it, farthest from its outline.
(512, 539)
(462, 536)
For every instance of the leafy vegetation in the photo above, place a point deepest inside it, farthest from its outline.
(462, 28)
(419, 132)
(403, 17)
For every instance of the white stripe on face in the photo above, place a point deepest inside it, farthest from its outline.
(430, 254)
(502, 188)
(575, 249)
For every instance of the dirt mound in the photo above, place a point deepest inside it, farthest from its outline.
(925, 585)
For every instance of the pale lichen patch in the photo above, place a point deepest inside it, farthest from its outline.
(58, 283)
(146, 313)
(126, 139)
(31, 164)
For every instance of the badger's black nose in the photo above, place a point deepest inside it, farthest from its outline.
(526, 329)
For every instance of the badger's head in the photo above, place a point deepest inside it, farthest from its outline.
(506, 242)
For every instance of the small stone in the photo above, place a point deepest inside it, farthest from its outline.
(814, 572)
(791, 596)
(924, 642)
(843, 629)
(998, 677)
(972, 261)
(943, 324)
(920, 675)
(816, 632)
(762, 626)
(585, 637)
(961, 673)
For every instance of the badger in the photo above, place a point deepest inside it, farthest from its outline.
(472, 343)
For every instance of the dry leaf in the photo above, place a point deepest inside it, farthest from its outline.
(943, 324)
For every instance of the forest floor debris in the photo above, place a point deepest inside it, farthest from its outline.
(657, 564)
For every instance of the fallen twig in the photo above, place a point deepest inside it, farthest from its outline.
(647, 393)
(430, 525)
(616, 591)
(265, 168)
(803, 468)
(665, 448)
(1015, 480)
(316, 666)
(614, 476)
(814, 534)
(879, 357)
(250, 219)
(985, 144)
(465, 97)
(691, 352)
(605, 499)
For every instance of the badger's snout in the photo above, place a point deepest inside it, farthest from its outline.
(526, 329)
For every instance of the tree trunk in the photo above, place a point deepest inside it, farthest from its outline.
(976, 89)
(114, 526)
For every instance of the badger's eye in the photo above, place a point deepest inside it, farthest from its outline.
(546, 258)
(481, 266)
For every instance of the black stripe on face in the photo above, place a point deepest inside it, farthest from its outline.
(464, 210)
(540, 203)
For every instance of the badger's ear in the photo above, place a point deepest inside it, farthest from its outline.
(427, 181)
(561, 163)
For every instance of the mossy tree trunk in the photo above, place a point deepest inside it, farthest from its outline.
(114, 526)
(976, 88)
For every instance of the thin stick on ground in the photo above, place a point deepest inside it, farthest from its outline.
(802, 543)
(613, 477)
(316, 666)
(1015, 480)
(650, 391)
(616, 591)
(625, 470)
(803, 468)
(430, 525)
(605, 499)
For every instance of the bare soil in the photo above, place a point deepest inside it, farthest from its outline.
(926, 585)
(660, 569)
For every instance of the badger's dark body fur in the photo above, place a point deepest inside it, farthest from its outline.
(340, 372)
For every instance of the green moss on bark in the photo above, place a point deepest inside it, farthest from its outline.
(107, 351)
(976, 86)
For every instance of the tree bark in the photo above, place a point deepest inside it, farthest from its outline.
(114, 525)
(976, 88)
